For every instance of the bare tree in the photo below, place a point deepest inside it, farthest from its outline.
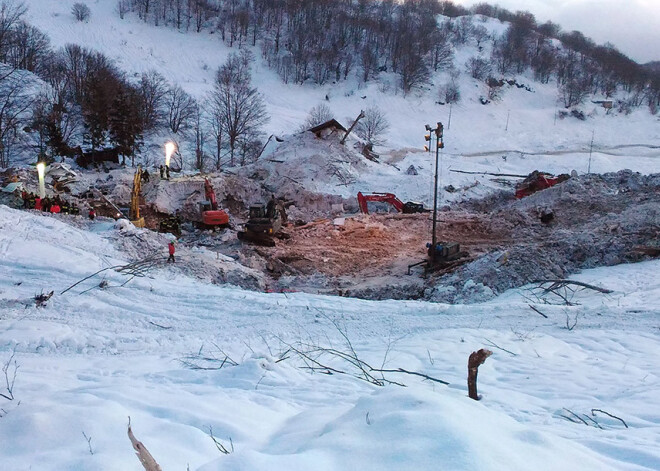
(81, 11)
(317, 115)
(451, 92)
(180, 109)
(10, 14)
(480, 34)
(15, 102)
(373, 126)
(574, 90)
(123, 7)
(414, 71)
(236, 104)
(153, 90)
(478, 68)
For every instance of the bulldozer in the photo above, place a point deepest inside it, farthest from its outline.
(264, 224)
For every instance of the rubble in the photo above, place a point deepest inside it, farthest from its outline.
(584, 222)
(598, 221)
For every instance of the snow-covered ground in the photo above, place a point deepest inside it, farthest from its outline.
(93, 357)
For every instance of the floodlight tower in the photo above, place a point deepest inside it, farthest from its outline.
(439, 144)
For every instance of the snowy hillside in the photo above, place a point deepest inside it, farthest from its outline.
(521, 121)
(152, 350)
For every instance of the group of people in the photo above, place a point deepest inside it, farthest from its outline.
(165, 172)
(48, 204)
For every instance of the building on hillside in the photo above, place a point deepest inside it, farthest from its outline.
(331, 127)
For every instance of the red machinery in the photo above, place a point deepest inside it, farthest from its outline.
(537, 181)
(211, 215)
(390, 198)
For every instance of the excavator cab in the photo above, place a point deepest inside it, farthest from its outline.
(257, 211)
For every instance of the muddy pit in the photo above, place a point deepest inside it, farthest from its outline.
(598, 220)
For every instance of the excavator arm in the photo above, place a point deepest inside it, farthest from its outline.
(210, 194)
(380, 197)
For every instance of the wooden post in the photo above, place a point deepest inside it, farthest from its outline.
(476, 359)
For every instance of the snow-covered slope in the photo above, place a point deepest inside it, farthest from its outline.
(92, 357)
(520, 121)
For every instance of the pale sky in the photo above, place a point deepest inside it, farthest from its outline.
(633, 26)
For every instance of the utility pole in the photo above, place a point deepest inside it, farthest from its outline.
(591, 148)
(439, 145)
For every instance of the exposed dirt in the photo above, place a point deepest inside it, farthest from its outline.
(595, 220)
(590, 221)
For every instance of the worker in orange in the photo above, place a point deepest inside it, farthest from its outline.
(172, 250)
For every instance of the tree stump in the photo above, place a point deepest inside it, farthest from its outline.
(476, 359)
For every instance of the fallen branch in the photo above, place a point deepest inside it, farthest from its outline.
(140, 269)
(576, 416)
(490, 173)
(221, 448)
(10, 377)
(537, 311)
(401, 370)
(148, 461)
(555, 284)
(40, 300)
(593, 411)
(493, 344)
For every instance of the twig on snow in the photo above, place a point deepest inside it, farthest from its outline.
(593, 411)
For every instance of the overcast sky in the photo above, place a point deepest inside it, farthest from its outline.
(633, 26)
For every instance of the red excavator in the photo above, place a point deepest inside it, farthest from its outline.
(212, 217)
(537, 181)
(406, 208)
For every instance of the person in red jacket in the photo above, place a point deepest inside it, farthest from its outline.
(55, 208)
(172, 250)
(37, 204)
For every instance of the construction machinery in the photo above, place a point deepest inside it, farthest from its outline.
(171, 224)
(446, 255)
(264, 224)
(134, 210)
(537, 181)
(212, 217)
(406, 208)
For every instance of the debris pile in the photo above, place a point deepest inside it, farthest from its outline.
(599, 220)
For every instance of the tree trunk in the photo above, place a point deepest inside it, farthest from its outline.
(476, 359)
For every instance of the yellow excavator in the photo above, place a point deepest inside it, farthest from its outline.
(134, 211)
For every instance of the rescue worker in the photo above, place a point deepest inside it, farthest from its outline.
(37, 204)
(91, 214)
(145, 176)
(172, 249)
(55, 208)
(162, 172)
(167, 172)
(26, 199)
